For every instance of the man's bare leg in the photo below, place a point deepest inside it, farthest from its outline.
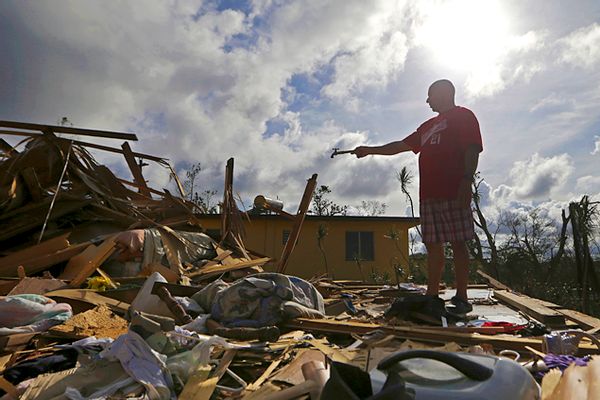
(461, 268)
(435, 266)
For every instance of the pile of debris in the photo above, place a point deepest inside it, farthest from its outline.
(111, 289)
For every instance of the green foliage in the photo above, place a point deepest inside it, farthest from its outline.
(371, 208)
(322, 232)
(205, 199)
(323, 206)
(377, 277)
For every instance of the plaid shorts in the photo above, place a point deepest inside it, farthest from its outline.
(446, 221)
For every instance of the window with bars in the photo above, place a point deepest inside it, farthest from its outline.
(360, 245)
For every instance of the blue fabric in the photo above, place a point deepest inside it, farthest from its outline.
(265, 299)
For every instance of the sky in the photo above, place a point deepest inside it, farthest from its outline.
(277, 84)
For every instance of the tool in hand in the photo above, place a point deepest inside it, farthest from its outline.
(336, 151)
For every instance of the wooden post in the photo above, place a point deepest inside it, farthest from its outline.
(136, 171)
(227, 195)
(299, 220)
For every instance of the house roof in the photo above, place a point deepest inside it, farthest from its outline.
(382, 218)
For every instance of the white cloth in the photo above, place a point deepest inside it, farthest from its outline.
(143, 364)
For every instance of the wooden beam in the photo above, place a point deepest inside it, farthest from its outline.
(532, 307)
(135, 169)
(299, 220)
(227, 190)
(21, 257)
(81, 267)
(68, 130)
(495, 284)
(91, 297)
(41, 263)
(207, 272)
(585, 321)
(439, 335)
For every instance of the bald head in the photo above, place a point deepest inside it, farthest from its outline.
(440, 96)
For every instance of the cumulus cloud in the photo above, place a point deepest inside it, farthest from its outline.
(536, 178)
(588, 184)
(582, 47)
(201, 84)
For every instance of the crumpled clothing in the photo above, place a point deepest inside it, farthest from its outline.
(93, 381)
(28, 313)
(266, 299)
(205, 296)
(562, 362)
(143, 364)
(508, 327)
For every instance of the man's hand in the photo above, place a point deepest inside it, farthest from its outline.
(361, 151)
(464, 191)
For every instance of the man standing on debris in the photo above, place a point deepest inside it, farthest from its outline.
(449, 146)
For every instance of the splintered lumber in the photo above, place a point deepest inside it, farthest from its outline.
(67, 129)
(44, 262)
(495, 283)
(36, 286)
(531, 307)
(213, 270)
(20, 257)
(135, 169)
(170, 275)
(90, 297)
(203, 390)
(298, 221)
(9, 388)
(585, 321)
(80, 267)
(30, 219)
(438, 335)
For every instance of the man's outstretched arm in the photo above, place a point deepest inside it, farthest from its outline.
(385, 150)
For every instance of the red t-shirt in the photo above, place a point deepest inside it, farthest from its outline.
(442, 142)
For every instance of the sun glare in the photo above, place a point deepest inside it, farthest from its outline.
(466, 35)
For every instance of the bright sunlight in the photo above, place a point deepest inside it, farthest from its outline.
(469, 36)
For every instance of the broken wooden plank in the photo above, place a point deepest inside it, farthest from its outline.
(67, 130)
(585, 321)
(30, 220)
(495, 283)
(91, 297)
(79, 268)
(197, 383)
(135, 169)
(499, 342)
(170, 275)
(46, 247)
(41, 263)
(531, 307)
(220, 269)
(36, 286)
(204, 390)
(299, 220)
(269, 371)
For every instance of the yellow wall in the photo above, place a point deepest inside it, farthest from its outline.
(264, 234)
